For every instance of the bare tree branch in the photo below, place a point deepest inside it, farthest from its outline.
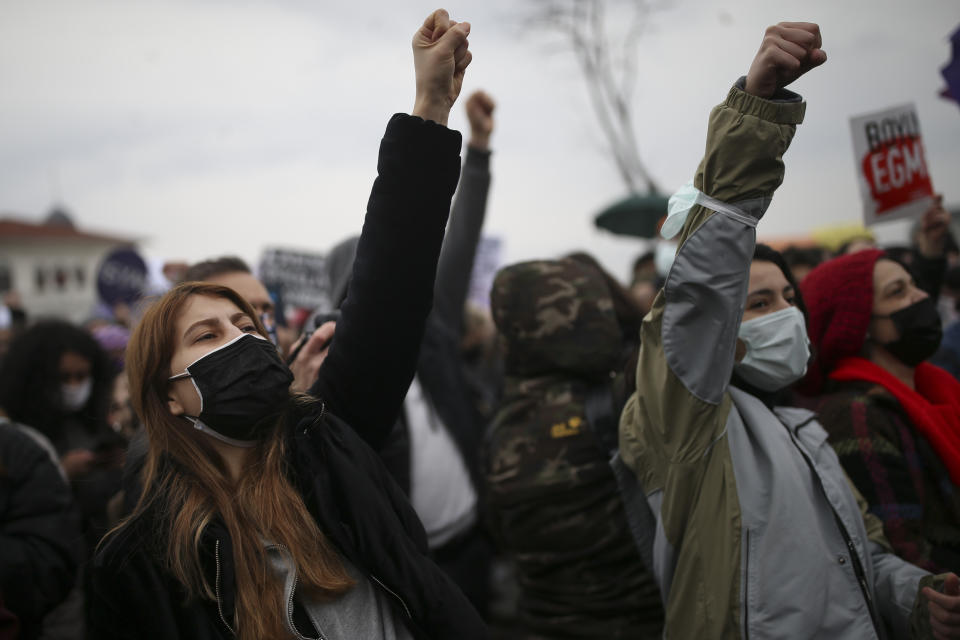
(609, 67)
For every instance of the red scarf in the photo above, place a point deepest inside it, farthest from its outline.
(934, 408)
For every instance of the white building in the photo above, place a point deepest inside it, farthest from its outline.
(53, 265)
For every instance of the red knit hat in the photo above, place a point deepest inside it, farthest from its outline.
(839, 299)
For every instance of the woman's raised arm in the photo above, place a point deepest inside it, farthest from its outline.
(373, 355)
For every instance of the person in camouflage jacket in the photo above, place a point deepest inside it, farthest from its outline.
(552, 500)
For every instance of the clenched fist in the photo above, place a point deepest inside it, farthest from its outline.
(789, 50)
(480, 108)
(934, 229)
(440, 58)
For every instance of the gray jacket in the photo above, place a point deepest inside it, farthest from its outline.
(756, 531)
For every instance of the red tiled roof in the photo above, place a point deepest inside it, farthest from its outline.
(12, 228)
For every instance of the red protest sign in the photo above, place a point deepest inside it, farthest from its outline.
(892, 166)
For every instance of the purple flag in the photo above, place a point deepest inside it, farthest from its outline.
(951, 71)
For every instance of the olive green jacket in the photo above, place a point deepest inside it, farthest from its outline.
(758, 533)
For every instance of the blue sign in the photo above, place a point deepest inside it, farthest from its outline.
(122, 277)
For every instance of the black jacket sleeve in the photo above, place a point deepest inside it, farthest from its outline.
(374, 353)
(40, 539)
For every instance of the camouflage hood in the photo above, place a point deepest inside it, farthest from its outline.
(555, 316)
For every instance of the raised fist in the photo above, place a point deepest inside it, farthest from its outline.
(789, 50)
(440, 58)
(931, 239)
(480, 108)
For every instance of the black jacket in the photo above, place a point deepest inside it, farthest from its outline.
(357, 505)
(440, 366)
(362, 384)
(40, 539)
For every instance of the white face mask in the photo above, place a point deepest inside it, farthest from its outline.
(777, 350)
(682, 203)
(663, 256)
(74, 397)
(678, 208)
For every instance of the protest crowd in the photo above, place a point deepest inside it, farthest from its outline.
(748, 443)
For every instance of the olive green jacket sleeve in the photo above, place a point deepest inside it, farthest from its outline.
(688, 338)
(673, 431)
(678, 414)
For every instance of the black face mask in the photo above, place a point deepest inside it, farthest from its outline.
(241, 384)
(920, 332)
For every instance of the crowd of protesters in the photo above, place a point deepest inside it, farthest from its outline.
(742, 443)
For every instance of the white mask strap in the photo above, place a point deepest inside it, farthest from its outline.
(199, 426)
(686, 198)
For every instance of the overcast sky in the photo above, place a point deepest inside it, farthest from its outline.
(204, 127)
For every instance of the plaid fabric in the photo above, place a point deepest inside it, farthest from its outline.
(896, 470)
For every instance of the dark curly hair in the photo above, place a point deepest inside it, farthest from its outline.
(30, 378)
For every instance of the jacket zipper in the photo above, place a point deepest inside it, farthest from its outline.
(296, 581)
(217, 589)
(851, 548)
(300, 636)
(857, 568)
(391, 592)
(293, 626)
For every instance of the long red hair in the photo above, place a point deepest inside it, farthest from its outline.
(186, 482)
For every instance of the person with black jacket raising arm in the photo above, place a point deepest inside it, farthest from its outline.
(432, 450)
(267, 514)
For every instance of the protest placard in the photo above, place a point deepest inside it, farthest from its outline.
(122, 277)
(891, 164)
(299, 277)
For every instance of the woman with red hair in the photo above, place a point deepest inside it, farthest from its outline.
(893, 418)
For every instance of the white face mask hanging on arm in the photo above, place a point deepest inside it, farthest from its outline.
(685, 199)
(778, 349)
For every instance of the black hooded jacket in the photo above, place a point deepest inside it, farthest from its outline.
(331, 447)
(40, 539)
